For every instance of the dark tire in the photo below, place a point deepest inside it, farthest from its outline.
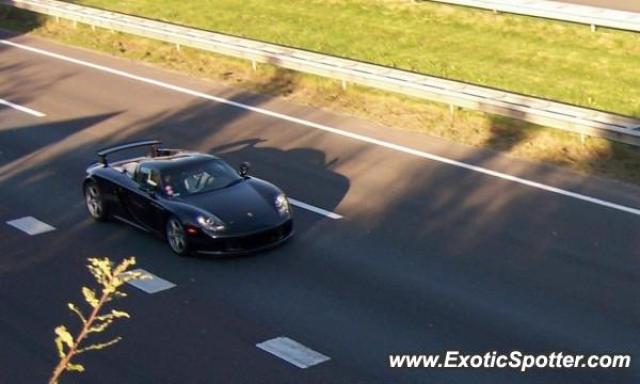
(96, 205)
(176, 237)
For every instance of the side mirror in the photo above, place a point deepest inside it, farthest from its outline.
(243, 170)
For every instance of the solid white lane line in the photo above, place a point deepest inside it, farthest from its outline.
(30, 225)
(355, 136)
(20, 108)
(293, 352)
(319, 211)
(149, 282)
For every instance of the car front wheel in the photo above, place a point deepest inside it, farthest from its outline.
(176, 237)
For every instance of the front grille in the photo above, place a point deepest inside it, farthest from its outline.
(259, 240)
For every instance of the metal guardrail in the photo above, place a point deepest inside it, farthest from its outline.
(583, 14)
(538, 111)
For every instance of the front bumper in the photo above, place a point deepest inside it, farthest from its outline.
(243, 244)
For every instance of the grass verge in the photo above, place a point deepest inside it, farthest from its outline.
(514, 138)
(545, 58)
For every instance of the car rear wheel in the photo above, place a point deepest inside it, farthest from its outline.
(176, 237)
(95, 203)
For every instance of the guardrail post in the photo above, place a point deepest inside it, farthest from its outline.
(178, 48)
(93, 27)
(344, 85)
(593, 27)
(254, 65)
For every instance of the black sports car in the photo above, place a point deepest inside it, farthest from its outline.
(196, 201)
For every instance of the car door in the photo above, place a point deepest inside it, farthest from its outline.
(143, 202)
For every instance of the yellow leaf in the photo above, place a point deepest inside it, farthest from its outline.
(130, 275)
(60, 348)
(102, 326)
(64, 335)
(96, 347)
(101, 270)
(117, 313)
(75, 367)
(90, 297)
(124, 265)
(109, 290)
(75, 309)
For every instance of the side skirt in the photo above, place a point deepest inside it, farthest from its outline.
(131, 223)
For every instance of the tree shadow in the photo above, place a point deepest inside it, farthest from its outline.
(30, 139)
(20, 20)
(24, 79)
(507, 133)
(29, 179)
(585, 155)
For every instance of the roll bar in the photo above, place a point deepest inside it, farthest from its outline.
(103, 153)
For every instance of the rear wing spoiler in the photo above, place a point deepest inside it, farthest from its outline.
(103, 153)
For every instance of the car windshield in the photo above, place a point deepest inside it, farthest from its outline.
(199, 177)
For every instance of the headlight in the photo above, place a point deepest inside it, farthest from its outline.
(282, 205)
(210, 224)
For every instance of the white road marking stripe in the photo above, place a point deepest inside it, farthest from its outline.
(149, 282)
(21, 108)
(355, 136)
(293, 352)
(319, 211)
(30, 225)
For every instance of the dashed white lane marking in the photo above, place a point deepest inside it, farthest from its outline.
(21, 108)
(340, 132)
(31, 225)
(149, 282)
(319, 211)
(293, 352)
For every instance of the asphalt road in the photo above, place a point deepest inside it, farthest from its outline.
(624, 5)
(429, 256)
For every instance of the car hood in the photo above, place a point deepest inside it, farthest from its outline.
(241, 207)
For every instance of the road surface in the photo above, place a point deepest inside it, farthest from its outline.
(441, 247)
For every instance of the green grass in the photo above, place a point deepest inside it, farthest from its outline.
(550, 59)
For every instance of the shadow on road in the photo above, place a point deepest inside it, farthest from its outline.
(28, 140)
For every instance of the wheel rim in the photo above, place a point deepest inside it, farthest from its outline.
(175, 236)
(94, 203)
